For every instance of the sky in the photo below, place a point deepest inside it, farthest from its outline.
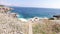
(32, 3)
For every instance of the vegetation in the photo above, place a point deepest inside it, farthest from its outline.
(11, 25)
(51, 18)
(1, 5)
(48, 27)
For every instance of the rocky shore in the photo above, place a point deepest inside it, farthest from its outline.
(10, 24)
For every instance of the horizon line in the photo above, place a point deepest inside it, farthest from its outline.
(32, 7)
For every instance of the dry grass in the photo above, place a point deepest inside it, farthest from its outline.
(48, 27)
(10, 25)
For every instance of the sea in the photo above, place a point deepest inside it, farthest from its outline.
(30, 12)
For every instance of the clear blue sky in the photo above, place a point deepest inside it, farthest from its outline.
(32, 3)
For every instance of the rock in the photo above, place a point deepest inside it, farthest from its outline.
(14, 15)
(4, 9)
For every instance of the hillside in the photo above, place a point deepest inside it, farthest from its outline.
(10, 24)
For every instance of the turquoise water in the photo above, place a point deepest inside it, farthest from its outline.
(28, 12)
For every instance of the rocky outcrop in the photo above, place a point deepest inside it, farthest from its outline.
(4, 9)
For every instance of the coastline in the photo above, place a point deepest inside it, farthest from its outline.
(10, 13)
(11, 23)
